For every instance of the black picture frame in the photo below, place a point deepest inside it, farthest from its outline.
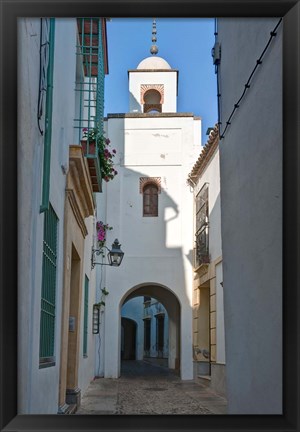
(10, 11)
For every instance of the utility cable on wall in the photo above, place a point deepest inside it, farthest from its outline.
(216, 63)
(44, 61)
(247, 85)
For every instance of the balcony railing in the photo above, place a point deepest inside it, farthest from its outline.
(90, 90)
(200, 259)
(201, 250)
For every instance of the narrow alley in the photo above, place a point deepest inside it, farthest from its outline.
(149, 221)
(149, 388)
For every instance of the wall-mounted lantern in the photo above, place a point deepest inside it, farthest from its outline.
(114, 256)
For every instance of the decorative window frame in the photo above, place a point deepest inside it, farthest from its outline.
(144, 181)
(157, 87)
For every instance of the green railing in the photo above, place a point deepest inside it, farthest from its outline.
(47, 324)
(91, 88)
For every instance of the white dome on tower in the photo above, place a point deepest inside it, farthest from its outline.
(154, 62)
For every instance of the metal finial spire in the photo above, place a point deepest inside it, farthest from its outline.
(154, 48)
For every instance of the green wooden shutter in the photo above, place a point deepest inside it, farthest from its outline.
(47, 324)
(85, 316)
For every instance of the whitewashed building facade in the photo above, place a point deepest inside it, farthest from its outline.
(56, 202)
(251, 208)
(208, 305)
(149, 206)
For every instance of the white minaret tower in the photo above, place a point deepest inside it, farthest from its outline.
(153, 84)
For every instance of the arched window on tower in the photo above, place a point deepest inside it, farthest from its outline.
(152, 101)
(150, 200)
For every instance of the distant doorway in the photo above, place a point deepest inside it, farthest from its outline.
(160, 323)
(147, 337)
(128, 339)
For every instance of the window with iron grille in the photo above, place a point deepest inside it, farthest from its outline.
(49, 272)
(202, 245)
(85, 316)
(89, 87)
(150, 200)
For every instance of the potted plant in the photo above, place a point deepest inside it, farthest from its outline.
(90, 140)
(93, 140)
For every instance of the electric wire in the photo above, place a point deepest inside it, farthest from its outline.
(247, 85)
(40, 76)
(218, 81)
(44, 52)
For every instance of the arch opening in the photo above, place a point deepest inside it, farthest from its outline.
(152, 101)
(158, 318)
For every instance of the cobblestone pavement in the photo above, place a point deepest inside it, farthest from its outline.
(147, 388)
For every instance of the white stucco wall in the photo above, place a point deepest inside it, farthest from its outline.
(29, 232)
(251, 205)
(211, 177)
(220, 328)
(32, 397)
(168, 79)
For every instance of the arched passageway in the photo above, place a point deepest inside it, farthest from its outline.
(171, 304)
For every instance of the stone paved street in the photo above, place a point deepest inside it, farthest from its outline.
(147, 388)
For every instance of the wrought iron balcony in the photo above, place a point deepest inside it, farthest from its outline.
(200, 258)
(201, 250)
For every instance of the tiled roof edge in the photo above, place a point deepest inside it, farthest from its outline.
(206, 154)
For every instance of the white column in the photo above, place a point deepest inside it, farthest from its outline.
(186, 360)
(112, 332)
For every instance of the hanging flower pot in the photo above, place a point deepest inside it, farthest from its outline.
(89, 147)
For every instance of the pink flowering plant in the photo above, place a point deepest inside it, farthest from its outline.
(105, 153)
(102, 228)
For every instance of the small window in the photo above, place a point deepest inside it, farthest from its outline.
(150, 200)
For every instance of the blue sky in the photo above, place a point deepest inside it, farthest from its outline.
(185, 43)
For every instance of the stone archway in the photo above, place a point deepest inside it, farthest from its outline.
(171, 303)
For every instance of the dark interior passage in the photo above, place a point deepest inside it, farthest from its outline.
(128, 339)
